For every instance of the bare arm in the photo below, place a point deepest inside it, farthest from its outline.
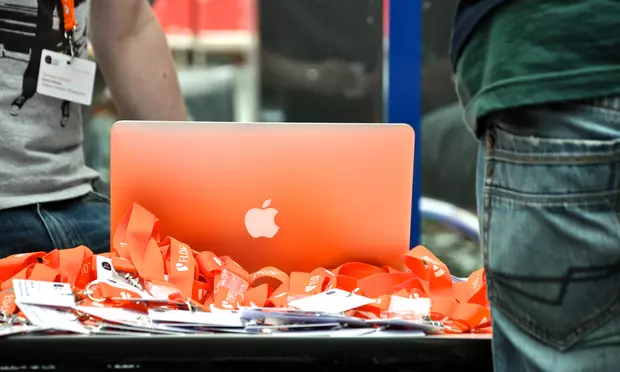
(283, 72)
(134, 57)
(331, 77)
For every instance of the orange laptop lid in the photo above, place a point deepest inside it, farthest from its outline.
(293, 196)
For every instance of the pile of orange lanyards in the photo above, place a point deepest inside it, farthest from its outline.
(208, 282)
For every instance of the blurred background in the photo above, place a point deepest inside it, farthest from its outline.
(318, 61)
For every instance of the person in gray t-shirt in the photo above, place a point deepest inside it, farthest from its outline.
(46, 195)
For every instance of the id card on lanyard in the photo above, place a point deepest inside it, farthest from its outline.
(64, 75)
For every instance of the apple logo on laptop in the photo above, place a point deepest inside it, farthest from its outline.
(260, 222)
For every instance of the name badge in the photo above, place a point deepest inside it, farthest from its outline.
(66, 78)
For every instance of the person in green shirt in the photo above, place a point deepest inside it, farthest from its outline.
(540, 84)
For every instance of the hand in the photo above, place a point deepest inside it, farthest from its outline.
(332, 78)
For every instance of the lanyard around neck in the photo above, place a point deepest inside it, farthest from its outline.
(69, 25)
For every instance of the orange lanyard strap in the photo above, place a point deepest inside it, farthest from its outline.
(7, 304)
(169, 273)
(69, 24)
(208, 280)
(68, 15)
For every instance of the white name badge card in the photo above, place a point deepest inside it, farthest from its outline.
(67, 78)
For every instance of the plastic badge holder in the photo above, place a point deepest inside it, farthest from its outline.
(283, 317)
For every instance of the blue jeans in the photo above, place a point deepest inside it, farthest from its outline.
(64, 224)
(549, 192)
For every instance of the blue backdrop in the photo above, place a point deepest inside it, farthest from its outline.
(404, 89)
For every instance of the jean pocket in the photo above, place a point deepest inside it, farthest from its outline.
(551, 233)
(95, 197)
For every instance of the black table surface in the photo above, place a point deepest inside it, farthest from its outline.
(232, 352)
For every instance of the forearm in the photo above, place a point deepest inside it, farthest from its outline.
(282, 72)
(137, 65)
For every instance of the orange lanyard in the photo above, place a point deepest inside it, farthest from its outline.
(177, 276)
(68, 11)
(68, 16)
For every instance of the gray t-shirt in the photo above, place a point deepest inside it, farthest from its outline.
(41, 156)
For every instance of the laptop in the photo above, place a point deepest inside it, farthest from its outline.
(294, 196)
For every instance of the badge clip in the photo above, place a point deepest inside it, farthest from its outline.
(70, 45)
